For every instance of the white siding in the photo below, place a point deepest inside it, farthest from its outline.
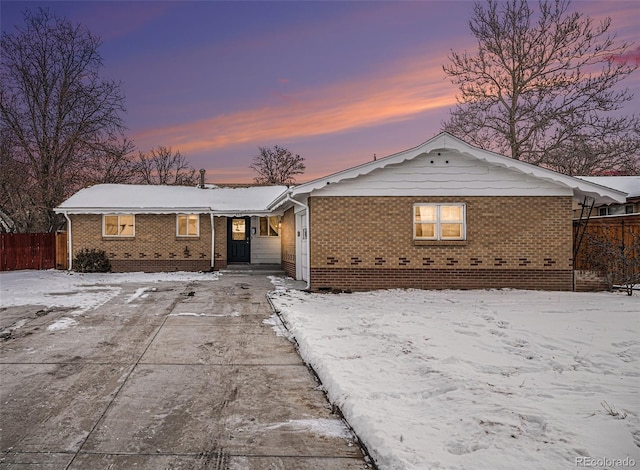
(264, 250)
(302, 247)
(445, 173)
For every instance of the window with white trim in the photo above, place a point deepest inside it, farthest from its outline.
(270, 226)
(118, 225)
(439, 222)
(188, 225)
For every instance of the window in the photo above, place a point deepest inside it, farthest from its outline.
(616, 210)
(118, 225)
(439, 222)
(238, 229)
(270, 226)
(188, 225)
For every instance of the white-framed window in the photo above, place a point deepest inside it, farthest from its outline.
(270, 226)
(439, 221)
(616, 210)
(188, 225)
(118, 225)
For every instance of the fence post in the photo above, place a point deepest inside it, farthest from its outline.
(62, 251)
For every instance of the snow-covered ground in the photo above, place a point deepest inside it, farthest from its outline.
(82, 291)
(498, 379)
(444, 379)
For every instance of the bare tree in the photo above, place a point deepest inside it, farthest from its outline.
(115, 165)
(6, 223)
(277, 165)
(545, 88)
(616, 255)
(16, 199)
(9, 171)
(61, 119)
(162, 166)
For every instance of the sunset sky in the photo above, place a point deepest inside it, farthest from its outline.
(332, 81)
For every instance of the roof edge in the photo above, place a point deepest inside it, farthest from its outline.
(444, 140)
(130, 210)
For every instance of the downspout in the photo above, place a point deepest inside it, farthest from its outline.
(69, 242)
(213, 243)
(306, 216)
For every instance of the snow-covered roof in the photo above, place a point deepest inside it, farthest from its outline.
(158, 199)
(445, 141)
(627, 184)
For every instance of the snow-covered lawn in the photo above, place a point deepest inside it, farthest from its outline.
(82, 291)
(498, 379)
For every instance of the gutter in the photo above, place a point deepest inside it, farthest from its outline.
(306, 216)
(69, 242)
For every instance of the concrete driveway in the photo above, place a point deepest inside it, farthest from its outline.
(165, 376)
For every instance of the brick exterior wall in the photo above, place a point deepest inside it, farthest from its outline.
(288, 243)
(360, 243)
(220, 226)
(155, 246)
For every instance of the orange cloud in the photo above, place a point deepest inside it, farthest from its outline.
(409, 89)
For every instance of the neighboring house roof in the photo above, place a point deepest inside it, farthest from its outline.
(627, 184)
(447, 142)
(157, 199)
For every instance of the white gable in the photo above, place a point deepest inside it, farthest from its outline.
(444, 173)
(470, 171)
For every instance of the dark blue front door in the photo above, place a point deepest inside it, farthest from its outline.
(239, 240)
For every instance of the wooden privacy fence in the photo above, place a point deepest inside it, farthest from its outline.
(33, 251)
(611, 244)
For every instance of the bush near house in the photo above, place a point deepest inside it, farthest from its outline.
(91, 261)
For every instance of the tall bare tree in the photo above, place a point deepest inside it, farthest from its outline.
(616, 255)
(11, 198)
(62, 122)
(277, 165)
(545, 88)
(163, 166)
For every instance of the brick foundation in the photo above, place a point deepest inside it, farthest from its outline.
(156, 266)
(220, 264)
(359, 279)
(289, 268)
(590, 281)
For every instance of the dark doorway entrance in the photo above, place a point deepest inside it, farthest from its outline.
(239, 240)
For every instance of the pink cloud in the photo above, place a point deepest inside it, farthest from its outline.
(631, 56)
(412, 87)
